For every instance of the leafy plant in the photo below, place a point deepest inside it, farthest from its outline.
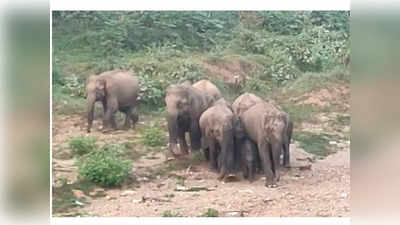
(105, 167)
(169, 213)
(154, 136)
(82, 145)
(211, 213)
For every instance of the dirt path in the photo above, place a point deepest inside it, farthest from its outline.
(323, 190)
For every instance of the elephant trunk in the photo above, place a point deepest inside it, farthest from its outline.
(91, 99)
(172, 130)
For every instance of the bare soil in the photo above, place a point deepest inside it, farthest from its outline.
(313, 187)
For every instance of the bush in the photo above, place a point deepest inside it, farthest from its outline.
(211, 213)
(104, 167)
(82, 145)
(169, 213)
(154, 136)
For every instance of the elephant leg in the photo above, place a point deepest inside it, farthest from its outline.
(112, 106)
(266, 162)
(251, 170)
(276, 154)
(113, 123)
(182, 141)
(286, 154)
(134, 116)
(213, 155)
(127, 123)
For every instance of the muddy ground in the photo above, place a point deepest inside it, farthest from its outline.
(315, 186)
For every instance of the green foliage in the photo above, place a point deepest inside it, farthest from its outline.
(169, 213)
(82, 145)
(314, 143)
(211, 213)
(105, 167)
(180, 181)
(154, 136)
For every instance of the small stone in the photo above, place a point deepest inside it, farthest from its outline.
(78, 202)
(332, 142)
(136, 201)
(343, 195)
(128, 192)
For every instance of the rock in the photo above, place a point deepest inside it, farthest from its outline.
(341, 145)
(136, 201)
(128, 192)
(78, 202)
(78, 194)
(332, 142)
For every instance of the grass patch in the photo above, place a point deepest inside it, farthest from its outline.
(317, 144)
(301, 113)
(64, 199)
(210, 213)
(154, 136)
(170, 213)
(82, 145)
(105, 166)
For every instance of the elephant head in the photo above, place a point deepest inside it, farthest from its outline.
(96, 91)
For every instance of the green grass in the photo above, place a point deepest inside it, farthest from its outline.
(317, 144)
(154, 136)
(210, 213)
(170, 213)
(82, 145)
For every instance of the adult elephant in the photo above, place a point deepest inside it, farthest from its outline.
(218, 124)
(116, 90)
(265, 125)
(208, 88)
(247, 100)
(185, 104)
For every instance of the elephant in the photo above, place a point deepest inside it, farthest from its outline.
(185, 104)
(217, 125)
(208, 88)
(246, 100)
(249, 159)
(265, 125)
(116, 90)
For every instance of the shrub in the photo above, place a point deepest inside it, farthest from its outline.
(82, 145)
(154, 136)
(105, 167)
(211, 213)
(169, 213)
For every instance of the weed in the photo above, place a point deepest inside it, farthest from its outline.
(210, 213)
(104, 167)
(169, 213)
(317, 144)
(154, 136)
(82, 145)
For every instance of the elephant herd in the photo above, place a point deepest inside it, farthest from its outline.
(250, 134)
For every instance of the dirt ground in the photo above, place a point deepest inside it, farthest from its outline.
(322, 190)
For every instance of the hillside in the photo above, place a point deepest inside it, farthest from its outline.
(298, 59)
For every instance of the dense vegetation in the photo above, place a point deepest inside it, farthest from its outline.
(271, 48)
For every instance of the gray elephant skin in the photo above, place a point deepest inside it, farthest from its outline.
(185, 104)
(116, 90)
(265, 125)
(217, 125)
(247, 100)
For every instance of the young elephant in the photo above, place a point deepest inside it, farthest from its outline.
(249, 159)
(265, 125)
(185, 104)
(217, 125)
(116, 90)
(247, 100)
